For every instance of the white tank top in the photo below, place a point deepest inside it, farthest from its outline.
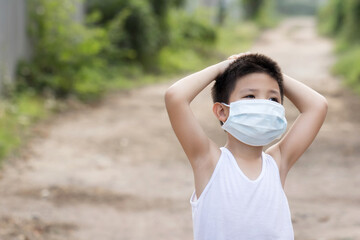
(233, 207)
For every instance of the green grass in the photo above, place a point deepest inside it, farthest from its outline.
(9, 134)
(16, 115)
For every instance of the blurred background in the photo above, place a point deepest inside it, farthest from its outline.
(86, 149)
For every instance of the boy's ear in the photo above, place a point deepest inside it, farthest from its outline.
(221, 112)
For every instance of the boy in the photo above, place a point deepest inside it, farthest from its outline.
(239, 188)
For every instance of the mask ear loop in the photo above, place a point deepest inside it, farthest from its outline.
(227, 105)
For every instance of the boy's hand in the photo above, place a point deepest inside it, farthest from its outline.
(236, 56)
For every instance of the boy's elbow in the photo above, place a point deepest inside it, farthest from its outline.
(318, 106)
(172, 95)
(322, 105)
(324, 102)
(169, 95)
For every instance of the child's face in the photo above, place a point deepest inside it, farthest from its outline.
(256, 86)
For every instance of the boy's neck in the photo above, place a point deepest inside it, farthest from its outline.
(243, 151)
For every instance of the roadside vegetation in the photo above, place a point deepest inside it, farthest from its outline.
(117, 44)
(340, 20)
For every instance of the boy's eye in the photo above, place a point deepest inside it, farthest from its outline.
(249, 96)
(274, 99)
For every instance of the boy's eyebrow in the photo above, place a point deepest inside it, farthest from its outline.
(274, 91)
(256, 90)
(249, 90)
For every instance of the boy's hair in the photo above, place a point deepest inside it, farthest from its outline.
(244, 65)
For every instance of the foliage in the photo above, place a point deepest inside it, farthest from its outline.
(340, 19)
(161, 9)
(348, 66)
(191, 39)
(266, 15)
(62, 50)
(133, 30)
(134, 35)
(331, 17)
(297, 7)
(145, 32)
(179, 60)
(137, 30)
(121, 32)
(251, 8)
(191, 29)
(350, 30)
(110, 8)
(261, 11)
(74, 59)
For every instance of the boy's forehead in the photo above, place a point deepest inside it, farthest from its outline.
(253, 83)
(256, 81)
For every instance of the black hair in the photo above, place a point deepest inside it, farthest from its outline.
(244, 65)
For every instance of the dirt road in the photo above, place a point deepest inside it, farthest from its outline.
(115, 171)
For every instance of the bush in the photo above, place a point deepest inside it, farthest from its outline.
(134, 35)
(160, 9)
(108, 9)
(135, 32)
(250, 8)
(350, 29)
(62, 48)
(189, 30)
(260, 11)
(266, 15)
(172, 60)
(191, 39)
(138, 30)
(331, 17)
(340, 19)
(348, 66)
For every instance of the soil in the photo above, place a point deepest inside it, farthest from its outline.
(115, 170)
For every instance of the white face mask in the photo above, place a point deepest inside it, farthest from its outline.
(256, 122)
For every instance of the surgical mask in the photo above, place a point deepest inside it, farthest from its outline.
(256, 122)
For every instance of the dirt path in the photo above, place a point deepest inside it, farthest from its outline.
(116, 170)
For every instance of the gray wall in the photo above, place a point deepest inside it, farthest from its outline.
(13, 40)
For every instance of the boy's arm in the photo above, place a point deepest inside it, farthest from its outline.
(313, 109)
(197, 146)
